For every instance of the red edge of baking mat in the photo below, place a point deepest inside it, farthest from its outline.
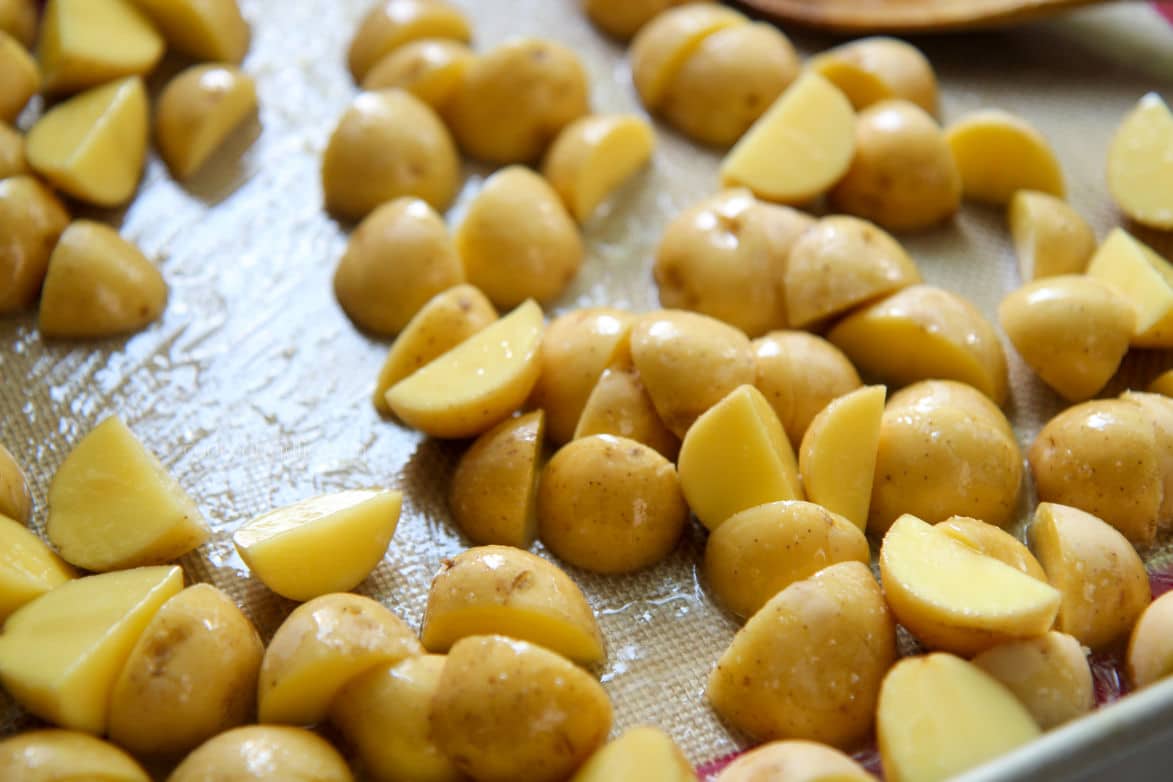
(1165, 10)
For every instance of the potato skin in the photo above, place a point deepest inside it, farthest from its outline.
(52, 755)
(622, 19)
(32, 218)
(259, 753)
(1049, 675)
(619, 404)
(1150, 647)
(15, 501)
(794, 761)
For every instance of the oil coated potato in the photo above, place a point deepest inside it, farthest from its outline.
(662, 46)
(1071, 329)
(870, 70)
(1150, 647)
(197, 111)
(430, 69)
(47, 755)
(507, 710)
(593, 156)
(391, 24)
(15, 501)
(191, 675)
(22, 80)
(257, 753)
(320, 647)
(1142, 277)
(1140, 164)
(1050, 238)
(839, 263)
(1049, 675)
(84, 43)
(623, 18)
(32, 219)
(493, 494)
(501, 590)
(515, 99)
(207, 30)
(517, 241)
(1163, 384)
(902, 176)
(837, 459)
(28, 567)
(18, 18)
(688, 363)
(998, 154)
(641, 752)
(1160, 410)
(760, 551)
(794, 761)
(769, 685)
(619, 405)
(610, 505)
(993, 542)
(934, 394)
(12, 159)
(397, 259)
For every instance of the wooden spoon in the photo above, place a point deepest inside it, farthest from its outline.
(871, 16)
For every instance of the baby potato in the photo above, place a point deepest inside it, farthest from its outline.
(1048, 674)
(661, 47)
(28, 567)
(392, 23)
(593, 156)
(197, 111)
(837, 459)
(1145, 279)
(259, 753)
(769, 684)
(18, 18)
(388, 144)
(760, 551)
(870, 70)
(51, 755)
(934, 394)
(619, 405)
(430, 69)
(15, 501)
(1163, 384)
(209, 30)
(320, 647)
(492, 496)
(85, 43)
(21, 81)
(501, 590)
(12, 160)
(506, 710)
(1050, 238)
(688, 363)
(794, 761)
(191, 675)
(998, 154)
(728, 81)
(902, 176)
(993, 542)
(840, 263)
(397, 259)
(640, 753)
(1150, 647)
(1071, 329)
(517, 241)
(1139, 167)
(623, 18)
(610, 505)
(31, 220)
(1160, 410)
(515, 99)
(1102, 457)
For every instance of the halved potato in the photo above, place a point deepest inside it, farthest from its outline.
(1142, 277)
(392, 23)
(28, 567)
(1163, 384)
(1050, 238)
(993, 542)
(257, 753)
(22, 80)
(197, 111)
(84, 43)
(1150, 647)
(593, 156)
(1140, 164)
(1048, 674)
(619, 405)
(15, 500)
(999, 154)
(794, 761)
(210, 30)
(430, 69)
(1160, 410)
(18, 18)
(878, 68)
(641, 752)
(31, 218)
(49, 755)
(12, 160)
(664, 43)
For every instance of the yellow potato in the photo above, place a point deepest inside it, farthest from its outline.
(384, 715)
(324, 544)
(1150, 647)
(610, 505)
(728, 81)
(493, 494)
(993, 542)
(191, 675)
(98, 285)
(197, 111)
(28, 567)
(15, 500)
(93, 146)
(924, 332)
(799, 148)
(60, 653)
(321, 646)
(576, 348)
(501, 590)
(1140, 164)
(619, 405)
(688, 363)
(840, 263)
(736, 456)
(397, 259)
(388, 144)
(1050, 238)
(870, 70)
(998, 154)
(768, 683)
(837, 459)
(1142, 277)
(84, 43)
(259, 753)
(515, 99)
(760, 551)
(517, 241)
(392, 23)
(1101, 577)
(639, 753)
(209, 30)
(18, 18)
(1048, 674)
(430, 69)
(794, 761)
(506, 710)
(22, 80)
(12, 160)
(934, 394)
(623, 18)
(1070, 329)
(902, 176)
(939, 716)
(446, 320)
(51, 755)
(660, 49)
(593, 156)
(113, 505)
(478, 383)
(1160, 410)
(799, 373)
(1163, 384)
(1102, 457)
(31, 220)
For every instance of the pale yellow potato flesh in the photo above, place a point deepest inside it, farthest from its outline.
(28, 567)
(61, 653)
(1145, 279)
(956, 599)
(18, 18)
(837, 459)
(15, 501)
(619, 405)
(794, 761)
(206, 30)
(93, 146)
(191, 675)
(1140, 164)
(320, 545)
(798, 148)
(593, 156)
(939, 716)
(84, 43)
(12, 159)
(870, 70)
(1050, 237)
(661, 47)
(478, 383)
(1160, 409)
(197, 111)
(642, 752)
(998, 154)
(760, 551)
(52, 755)
(1049, 675)
(736, 456)
(1150, 647)
(258, 753)
(22, 80)
(98, 285)
(32, 218)
(1163, 384)
(501, 590)
(430, 69)
(320, 647)
(993, 542)
(113, 505)
(1101, 577)
(391, 24)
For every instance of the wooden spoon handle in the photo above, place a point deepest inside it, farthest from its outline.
(873, 16)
